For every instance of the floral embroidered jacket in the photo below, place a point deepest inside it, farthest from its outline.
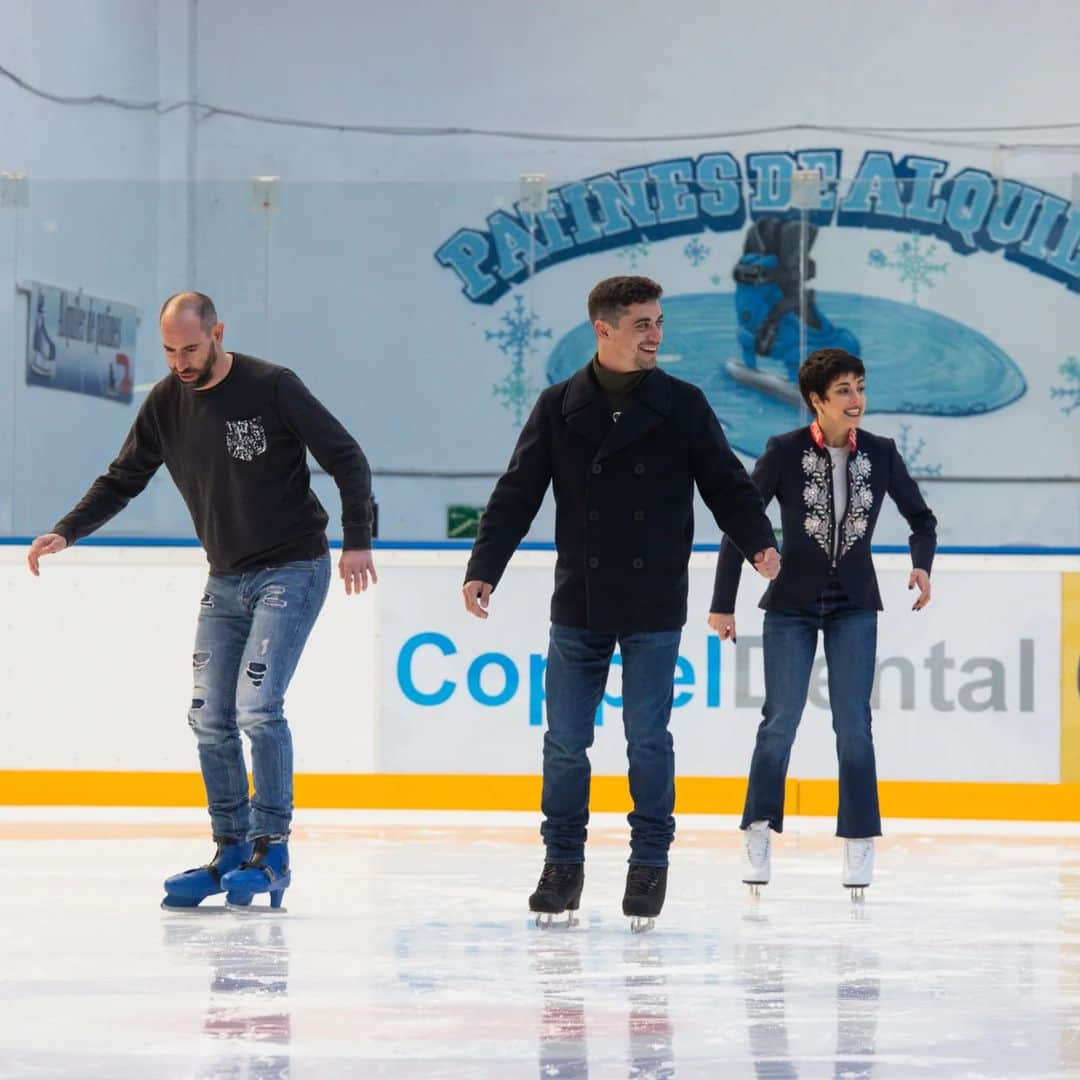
(795, 469)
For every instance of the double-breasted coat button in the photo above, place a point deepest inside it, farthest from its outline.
(639, 515)
(639, 469)
(639, 563)
(594, 515)
(594, 562)
(597, 467)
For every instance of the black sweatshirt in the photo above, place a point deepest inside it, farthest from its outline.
(237, 452)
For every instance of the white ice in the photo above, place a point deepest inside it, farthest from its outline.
(407, 951)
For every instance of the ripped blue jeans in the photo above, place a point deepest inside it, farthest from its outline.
(251, 631)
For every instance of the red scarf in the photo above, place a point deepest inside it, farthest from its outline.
(819, 437)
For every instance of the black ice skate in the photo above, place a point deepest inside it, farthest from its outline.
(646, 887)
(558, 890)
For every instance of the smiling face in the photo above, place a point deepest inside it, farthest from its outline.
(844, 403)
(633, 341)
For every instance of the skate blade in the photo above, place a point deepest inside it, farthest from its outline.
(767, 381)
(641, 924)
(198, 911)
(552, 920)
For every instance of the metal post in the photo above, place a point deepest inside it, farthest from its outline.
(805, 197)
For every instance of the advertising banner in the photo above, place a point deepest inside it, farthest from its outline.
(81, 343)
(966, 690)
(404, 681)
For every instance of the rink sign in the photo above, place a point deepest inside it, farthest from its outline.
(80, 342)
(460, 695)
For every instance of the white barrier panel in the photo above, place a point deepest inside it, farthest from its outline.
(967, 688)
(96, 665)
(96, 668)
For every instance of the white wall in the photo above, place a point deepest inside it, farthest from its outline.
(608, 68)
(339, 280)
(92, 222)
(95, 661)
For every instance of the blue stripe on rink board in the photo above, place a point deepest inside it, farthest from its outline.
(465, 545)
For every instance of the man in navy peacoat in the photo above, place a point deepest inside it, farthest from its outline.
(623, 445)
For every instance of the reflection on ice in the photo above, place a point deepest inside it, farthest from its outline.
(858, 993)
(851, 962)
(247, 958)
(760, 962)
(409, 952)
(652, 1055)
(555, 960)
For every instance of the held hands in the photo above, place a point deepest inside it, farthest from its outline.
(354, 567)
(477, 595)
(920, 580)
(767, 563)
(47, 544)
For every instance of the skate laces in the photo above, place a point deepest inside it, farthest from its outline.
(858, 851)
(643, 879)
(555, 874)
(260, 851)
(757, 843)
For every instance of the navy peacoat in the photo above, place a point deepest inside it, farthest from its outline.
(624, 487)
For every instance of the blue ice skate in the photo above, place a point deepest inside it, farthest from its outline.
(267, 870)
(192, 887)
(770, 300)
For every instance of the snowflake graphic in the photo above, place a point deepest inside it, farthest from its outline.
(636, 252)
(697, 251)
(911, 449)
(1070, 395)
(912, 262)
(516, 340)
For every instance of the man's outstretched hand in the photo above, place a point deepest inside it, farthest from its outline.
(47, 544)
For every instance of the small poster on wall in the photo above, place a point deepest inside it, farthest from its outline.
(81, 343)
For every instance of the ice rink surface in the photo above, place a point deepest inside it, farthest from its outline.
(407, 951)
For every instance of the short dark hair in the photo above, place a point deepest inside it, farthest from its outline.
(822, 368)
(198, 302)
(612, 296)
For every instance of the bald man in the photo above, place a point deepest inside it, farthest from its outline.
(234, 432)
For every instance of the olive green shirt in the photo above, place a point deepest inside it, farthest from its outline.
(619, 386)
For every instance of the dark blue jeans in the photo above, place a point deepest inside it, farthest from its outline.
(790, 642)
(577, 671)
(251, 631)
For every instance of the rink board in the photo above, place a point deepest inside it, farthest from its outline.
(403, 701)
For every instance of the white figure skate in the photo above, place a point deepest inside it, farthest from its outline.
(757, 856)
(858, 866)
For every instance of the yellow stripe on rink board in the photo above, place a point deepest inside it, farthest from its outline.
(925, 799)
(61, 787)
(1070, 678)
(695, 794)
(374, 791)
